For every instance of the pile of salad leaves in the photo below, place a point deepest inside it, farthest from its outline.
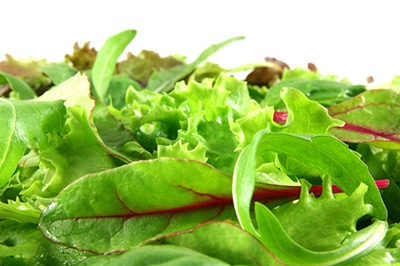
(158, 161)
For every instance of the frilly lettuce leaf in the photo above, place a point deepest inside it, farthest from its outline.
(26, 124)
(83, 57)
(23, 244)
(179, 150)
(142, 66)
(28, 70)
(332, 220)
(75, 154)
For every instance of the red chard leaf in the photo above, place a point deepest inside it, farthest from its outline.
(127, 206)
(371, 117)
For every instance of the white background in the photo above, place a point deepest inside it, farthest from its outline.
(353, 39)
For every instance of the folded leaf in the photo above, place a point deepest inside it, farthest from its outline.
(276, 239)
(371, 117)
(24, 122)
(324, 153)
(23, 90)
(74, 91)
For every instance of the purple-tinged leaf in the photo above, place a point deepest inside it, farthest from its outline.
(371, 117)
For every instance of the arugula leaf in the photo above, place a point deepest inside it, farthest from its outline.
(164, 80)
(106, 60)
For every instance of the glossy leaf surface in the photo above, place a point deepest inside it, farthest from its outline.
(23, 123)
(226, 242)
(325, 153)
(371, 117)
(126, 206)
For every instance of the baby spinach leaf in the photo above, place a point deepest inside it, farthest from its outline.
(164, 80)
(157, 256)
(23, 90)
(371, 117)
(106, 59)
(58, 73)
(226, 242)
(23, 123)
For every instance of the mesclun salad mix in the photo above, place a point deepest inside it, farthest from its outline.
(159, 161)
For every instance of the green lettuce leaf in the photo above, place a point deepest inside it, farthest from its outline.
(26, 123)
(24, 244)
(82, 58)
(142, 66)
